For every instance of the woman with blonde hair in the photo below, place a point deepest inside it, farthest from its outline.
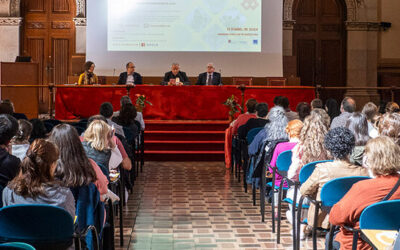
(382, 161)
(98, 143)
(88, 77)
(389, 125)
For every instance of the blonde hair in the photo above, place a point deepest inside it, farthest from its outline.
(389, 126)
(392, 107)
(312, 135)
(382, 156)
(293, 129)
(97, 134)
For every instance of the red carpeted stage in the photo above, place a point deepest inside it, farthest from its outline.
(185, 123)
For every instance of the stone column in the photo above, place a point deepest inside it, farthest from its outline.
(10, 38)
(362, 62)
(80, 27)
(288, 26)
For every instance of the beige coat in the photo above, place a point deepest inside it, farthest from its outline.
(323, 173)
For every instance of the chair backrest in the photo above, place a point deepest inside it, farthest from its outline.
(36, 224)
(334, 190)
(307, 170)
(276, 81)
(284, 160)
(252, 133)
(242, 80)
(383, 215)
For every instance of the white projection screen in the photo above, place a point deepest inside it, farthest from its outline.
(241, 37)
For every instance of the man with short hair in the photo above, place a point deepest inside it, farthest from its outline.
(260, 121)
(317, 104)
(291, 115)
(9, 164)
(106, 110)
(209, 77)
(130, 77)
(243, 118)
(175, 76)
(347, 107)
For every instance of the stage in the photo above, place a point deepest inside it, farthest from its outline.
(170, 102)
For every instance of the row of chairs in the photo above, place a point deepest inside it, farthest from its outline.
(331, 193)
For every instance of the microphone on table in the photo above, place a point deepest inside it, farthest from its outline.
(114, 72)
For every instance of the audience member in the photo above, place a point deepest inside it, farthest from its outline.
(139, 116)
(88, 77)
(35, 182)
(20, 142)
(106, 110)
(339, 142)
(382, 106)
(39, 130)
(358, 125)
(126, 119)
(130, 77)
(277, 100)
(392, 107)
(260, 121)
(289, 114)
(383, 162)
(317, 104)
(390, 126)
(370, 110)
(347, 107)
(311, 146)
(9, 164)
(7, 106)
(273, 130)
(332, 108)
(75, 169)
(243, 118)
(303, 109)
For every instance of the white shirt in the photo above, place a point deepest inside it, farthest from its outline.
(372, 132)
(130, 79)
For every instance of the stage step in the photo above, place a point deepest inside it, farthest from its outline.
(185, 140)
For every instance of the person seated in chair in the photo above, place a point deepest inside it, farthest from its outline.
(7, 107)
(260, 121)
(130, 77)
(339, 142)
(382, 161)
(106, 110)
(175, 76)
(20, 142)
(209, 77)
(35, 182)
(88, 77)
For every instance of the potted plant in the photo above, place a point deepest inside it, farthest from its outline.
(233, 105)
(141, 102)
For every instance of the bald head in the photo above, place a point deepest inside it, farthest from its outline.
(210, 68)
(348, 105)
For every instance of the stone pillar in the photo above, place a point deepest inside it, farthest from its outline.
(362, 62)
(10, 38)
(80, 27)
(287, 38)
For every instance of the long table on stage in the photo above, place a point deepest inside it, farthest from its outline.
(170, 102)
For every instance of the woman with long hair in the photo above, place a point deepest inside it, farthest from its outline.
(370, 110)
(332, 108)
(20, 142)
(75, 169)
(88, 77)
(358, 125)
(35, 183)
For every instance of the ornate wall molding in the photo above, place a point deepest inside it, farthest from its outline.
(15, 8)
(288, 24)
(10, 21)
(362, 26)
(80, 8)
(80, 21)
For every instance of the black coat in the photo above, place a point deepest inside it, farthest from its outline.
(182, 77)
(137, 78)
(216, 79)
(9, 167)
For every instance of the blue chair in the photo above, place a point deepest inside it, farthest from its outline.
(16, 246)
(283, 163)
(248, 160)
(42, 226)
(332, 192)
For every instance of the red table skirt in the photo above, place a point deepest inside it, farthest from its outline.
(169, 102)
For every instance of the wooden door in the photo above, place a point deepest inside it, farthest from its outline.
(320, 42)
(49, 38)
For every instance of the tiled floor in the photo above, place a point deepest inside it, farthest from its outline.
(196, 206)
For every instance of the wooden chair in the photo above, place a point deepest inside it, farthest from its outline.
(276, 81)
(248, 81)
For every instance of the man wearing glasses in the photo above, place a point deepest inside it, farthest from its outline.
(209, 77)
(130, 77)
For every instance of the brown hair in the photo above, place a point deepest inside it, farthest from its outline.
(23, 133)
(389, 126)
(370, 110)
(251, 105)
(293, 128)
(87, 65)
(392, 107)
(382, 156)
(35, 170)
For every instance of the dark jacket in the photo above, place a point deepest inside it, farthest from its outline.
(102, 158)
(182, 77)
(251, 123)
(137, 78)
(9, 167)
(216, 79)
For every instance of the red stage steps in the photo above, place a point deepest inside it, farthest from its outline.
(185, 140)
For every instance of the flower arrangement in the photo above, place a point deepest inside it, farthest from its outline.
(141, 101)
(232, 103)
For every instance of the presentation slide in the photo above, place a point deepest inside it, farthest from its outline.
(241, 37)
(183, 25)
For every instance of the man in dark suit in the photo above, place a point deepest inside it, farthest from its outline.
(175, 76)
(130, 76)
(210, 77)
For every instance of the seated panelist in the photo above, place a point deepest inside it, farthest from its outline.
(130, 77)
(175, 76)
(88, 77)
(209, 77)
